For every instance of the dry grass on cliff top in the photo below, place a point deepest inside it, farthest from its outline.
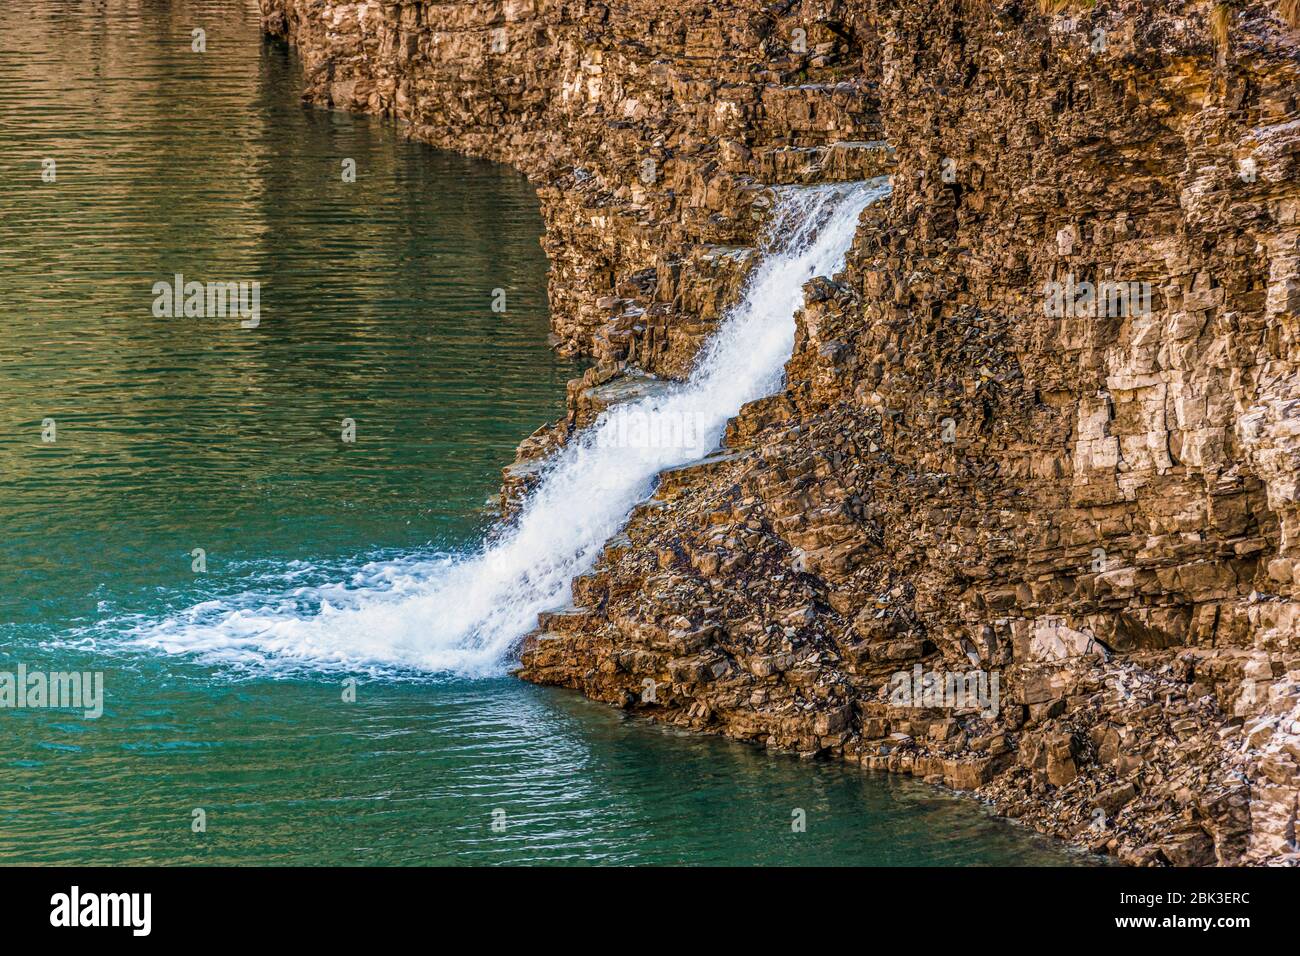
(1220, 20)
(1221, 17)
(1053, 7)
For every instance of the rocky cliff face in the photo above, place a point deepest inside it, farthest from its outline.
(1026, 519)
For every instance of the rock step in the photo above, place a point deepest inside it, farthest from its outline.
(563, 621)
(541, 650)
(838, 162)
(631, 386)
(516, 481)
(617, 546)
(590, 589)
(672, 481)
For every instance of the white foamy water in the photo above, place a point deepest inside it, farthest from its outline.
(465, 614)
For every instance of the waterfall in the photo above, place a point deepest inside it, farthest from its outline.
(465, 614)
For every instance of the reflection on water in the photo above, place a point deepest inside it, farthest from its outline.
(287, 774)
(182, 433)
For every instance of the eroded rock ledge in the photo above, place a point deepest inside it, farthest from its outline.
(1096, 506)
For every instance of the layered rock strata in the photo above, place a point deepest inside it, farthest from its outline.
(1042, 433)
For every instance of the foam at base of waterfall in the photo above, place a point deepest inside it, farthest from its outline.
(465, 614)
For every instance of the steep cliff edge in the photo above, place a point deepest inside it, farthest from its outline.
(1044, 430)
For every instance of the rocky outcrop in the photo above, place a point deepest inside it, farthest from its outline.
(1026, 519)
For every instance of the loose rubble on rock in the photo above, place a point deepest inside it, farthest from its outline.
(1098, 506)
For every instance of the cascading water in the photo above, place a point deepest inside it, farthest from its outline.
(465, 614)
